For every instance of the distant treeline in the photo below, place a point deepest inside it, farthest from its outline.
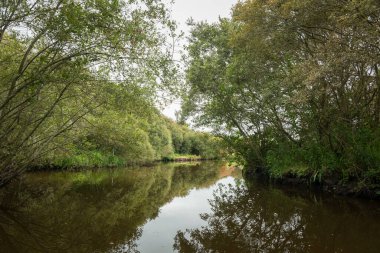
(120, 136)
(294, 86)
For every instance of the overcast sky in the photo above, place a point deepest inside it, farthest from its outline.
(199, 10)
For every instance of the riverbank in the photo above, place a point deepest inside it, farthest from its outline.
(100, 160)
(330, 184)
(186, 158)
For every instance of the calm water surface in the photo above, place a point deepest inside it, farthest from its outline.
(204, 207)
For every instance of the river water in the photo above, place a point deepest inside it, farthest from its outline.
(194, 207)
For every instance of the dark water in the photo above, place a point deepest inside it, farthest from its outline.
(182, 208)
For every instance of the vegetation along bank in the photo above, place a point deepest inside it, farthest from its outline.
(295, 88)
(79, 83)
(292, 87)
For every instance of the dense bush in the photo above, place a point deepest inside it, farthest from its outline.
(293, 85)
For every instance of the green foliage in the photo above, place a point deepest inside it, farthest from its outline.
(161, 139)
(59, 63)
(293, 86)
(90, 159)
(189, 142)
(78, 81)
(123, 132)
(116, 138)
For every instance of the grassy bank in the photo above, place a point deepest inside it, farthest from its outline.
(184, 158)
(327, 183)
(90, 159)
(97, 159)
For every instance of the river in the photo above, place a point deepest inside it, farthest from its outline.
(178, 207)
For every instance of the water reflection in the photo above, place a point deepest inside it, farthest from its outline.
(262, 219)
(154, 210)
(94, 211)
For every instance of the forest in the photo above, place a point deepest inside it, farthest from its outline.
(189, 126)
(288, 88)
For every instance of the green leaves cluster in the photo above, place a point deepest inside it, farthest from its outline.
(294, 85)
(114, 137)
(80, 77)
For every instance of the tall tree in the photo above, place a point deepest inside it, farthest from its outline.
(54, 57)
(294, 84)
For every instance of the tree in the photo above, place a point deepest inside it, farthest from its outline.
(54, 57)
(293, 85)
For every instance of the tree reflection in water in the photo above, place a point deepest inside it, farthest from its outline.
(92, 211)
(106, 210)
(262, 219)
(239, 224)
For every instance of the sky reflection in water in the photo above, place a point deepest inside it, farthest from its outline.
(178, 207)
